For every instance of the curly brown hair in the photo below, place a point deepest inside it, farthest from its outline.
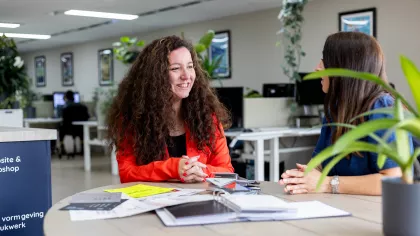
(141, 111)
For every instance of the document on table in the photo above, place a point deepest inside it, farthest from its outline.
(305, 210)
(137, 206)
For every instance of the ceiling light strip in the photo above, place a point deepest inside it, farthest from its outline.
(26, 36)
(9, 25)
(97, 14)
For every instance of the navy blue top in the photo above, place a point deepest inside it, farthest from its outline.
(355, 165)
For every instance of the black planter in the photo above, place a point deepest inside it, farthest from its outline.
(400, 207)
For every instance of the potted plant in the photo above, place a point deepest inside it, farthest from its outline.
(400, 196)
(127, 49)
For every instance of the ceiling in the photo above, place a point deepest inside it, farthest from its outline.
(46, 17)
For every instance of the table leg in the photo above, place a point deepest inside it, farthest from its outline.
(86, 147)
(27, 124)
(274, 160)
(259, 160)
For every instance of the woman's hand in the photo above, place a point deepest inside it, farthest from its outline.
(297, 182)
(191, 170)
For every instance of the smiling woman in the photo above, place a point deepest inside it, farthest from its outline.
(166, 122)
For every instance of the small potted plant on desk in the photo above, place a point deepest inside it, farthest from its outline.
(400, 196)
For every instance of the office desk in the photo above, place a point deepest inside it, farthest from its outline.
(87, 142)
(258, 136)
(365, 220)
(29, 121)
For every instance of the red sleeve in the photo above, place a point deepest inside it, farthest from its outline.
(153, 172)
(219, 160)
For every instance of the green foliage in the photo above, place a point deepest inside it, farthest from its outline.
(201, 48)
(127, 49)
(14, 82)
(401, 123)
(291, 18)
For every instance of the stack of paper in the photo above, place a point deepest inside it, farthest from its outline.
(132, 206)
(182, 215)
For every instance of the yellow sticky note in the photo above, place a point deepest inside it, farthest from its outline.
(140, 190)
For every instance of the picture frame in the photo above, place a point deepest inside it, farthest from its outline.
(106, 67)
(221, 47)
(363, 20)
(67, 69)
(40, 71)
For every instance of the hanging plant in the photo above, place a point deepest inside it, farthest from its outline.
(291, 19)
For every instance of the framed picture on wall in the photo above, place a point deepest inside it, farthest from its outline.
(40, 71)
(67, 69)
(106, 67)
(220, 55)
(358, 21)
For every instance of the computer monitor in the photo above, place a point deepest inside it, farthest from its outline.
(309, 92)
(233, 99)
(58, 102)
(279, 90)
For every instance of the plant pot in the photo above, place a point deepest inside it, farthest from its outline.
(400, 207)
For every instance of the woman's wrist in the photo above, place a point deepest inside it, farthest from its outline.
(327, 185)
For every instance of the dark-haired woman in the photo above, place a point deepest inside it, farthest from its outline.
(346, 98)
(166, 122)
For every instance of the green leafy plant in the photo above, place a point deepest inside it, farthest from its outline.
(291, 19)
(127, 49)
(401, 124)
(13, 79)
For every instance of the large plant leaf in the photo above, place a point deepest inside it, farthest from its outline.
(328, 168)
(199, 48)
(413, 158)
(381, 160)
(140, 43)
(401, 135)
(413, 78)
(361, 131)
(372, 135)
(364, 76)
(207, 38)
(384, 110)
(358, 146)
(411, 125)
(125, 39)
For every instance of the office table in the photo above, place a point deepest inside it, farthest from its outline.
(87, 142)
(365, 220)
(28, 121)
(258, 136)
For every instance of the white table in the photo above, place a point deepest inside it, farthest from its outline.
(29, 121)
(366, 218)
(258, 136)
(87, 142)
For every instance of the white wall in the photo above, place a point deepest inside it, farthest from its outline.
(255, 59)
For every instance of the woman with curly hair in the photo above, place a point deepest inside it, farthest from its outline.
(166, 122)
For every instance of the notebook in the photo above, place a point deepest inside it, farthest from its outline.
(255, 203)
(304, 210)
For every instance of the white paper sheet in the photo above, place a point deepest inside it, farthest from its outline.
(137, 206)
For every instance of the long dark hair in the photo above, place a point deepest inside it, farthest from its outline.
(347, 97)
(142, 110)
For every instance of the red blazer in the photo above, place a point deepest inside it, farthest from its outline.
(218, 161)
